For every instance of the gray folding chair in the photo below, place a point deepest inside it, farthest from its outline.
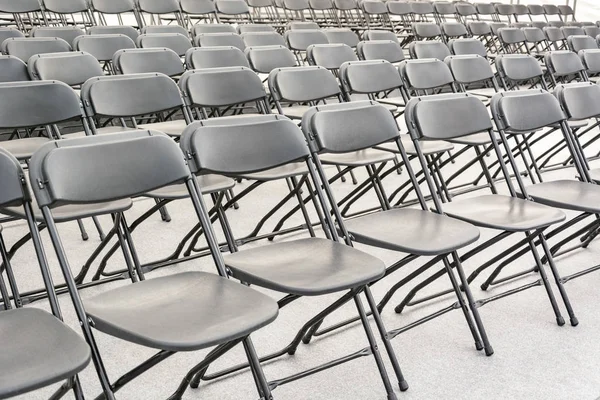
(220, 39)
(299, 40)
(591, 62)
(252, 39)
(137, 61)
(453, 30)
(43, 350)
(248, 28)
(75, 12)
(556, 37)
(72, 68)
(572, 30)
(342, 35)
(330, 56)
(12, 69)
(190, 311)
(25, 48)
(151, 29)
(234, 11)
(118, 8)
(264, 59)
(27, 13)
(581, 42)
(387, 50)
(429, 49)
(215, 57)
(154, 12)
(564, 66)
(212, 28)
(461, 47)
(67, 33)
(198, 11)
(380, 35)
(114, 30)
(427, 31)
(103, 47)
(174, 41)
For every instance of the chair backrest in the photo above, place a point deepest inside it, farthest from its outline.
(232, 7)
(465, 9)
(592, 31)
(262, 39)
(505, 9)
(247, 28)
(461, 47)
(264, 59)
(114, 30)
(534, 35)
(380, 50)
(485, 8)
(446, 116)
(37, 103)
(426, 30)
(14, 192)
(581, 42)
(67, 33)
(496, 26)
(444, 8)
(302, 84)
(566, 10)
(525, 111)
(478, 28)
(518, 67)
(421, 7)
(347, 127)
(369, 77)
(429, 49)
(72, 68)
(158, 7)
(7, 32)
(20, 6)
(66, 6)
(212, 28)
(25, 48)
(423, 74)
(174, 41)
(380, 35)
(91, 169)
(454, 29)
(563, 62)
(150, 29)
(215, 57)
(539, 24)
(399, 8)
(220, 87)
(137, 61)
(373, 7)
(330, 56)
(468, 69)
(103, 47)
(302, 25)
(197, 7)
(572, 30)
(342, 35)
(13, 69)
(299, 40)
(511, 35)
(557, 24)
(220, 39)
(235, 146)
(130, 95)
(591, 60)
(554, 34)
(580, 101)
(113, 6)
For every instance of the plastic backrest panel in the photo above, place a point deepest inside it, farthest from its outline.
(520, 9)
(265, 59)
(174, 41)
(263, 39)
(518, 67)
(130, 95)
(461, 47)
(479, 28)
(553, 34)
(535, 9)
(137, 61)
(13, 69)
(370, 76)
(399, 8)
(66, 6)
(6, 33)
(247, 28)
(24, 48)
(19, 6)
(526, 110)
(158, 6)
(551, 9)
(197, 7)
(303, 25)
(68, 34)
(232, 7)
(563, 62)
(387, 50)
(215, 57)
(511, 35)
(302, 84)
(374, 7)
(591, 60)
(454, 29)
(321, 4)
(220, 39)
(566, 10)
(470, 68)
(580, 101)
(114, 30)
(591, 31)
(505, 9)
(301, 39)
(485, 8)
(217, 87)
(425, 73)
(228, 147)
(345, 36)
(113, 6)
(557, 24)
(429, 50)
(347, 127)
(426, 29)
(534, 35)
(212, 28)
(581, 42)
(496, 26)
(14, 191)
(330, 56)
(444, 8)
(381, 35)
(72, 68)
(103, 47)
(465, 9)
(421, 7)
(164, 29)
(102, 168)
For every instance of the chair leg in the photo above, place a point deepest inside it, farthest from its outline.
(77, 391)
(84, 234)
(99, 228)
(374, 349)
(261, 382)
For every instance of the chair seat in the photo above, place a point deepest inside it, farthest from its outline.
(99, 131)
(208, 184)
(567, 194)
(181, 312)
(306, 267)
(24, 148)
(285, 171)
(427, 146)
(504, 212)
(412, 231)
(293, 112)
(357, 158)
(39, 350)
(171, 128)
(578, 124)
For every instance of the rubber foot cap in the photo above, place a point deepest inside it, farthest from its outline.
(574, 321)
(478, 346)
(489, 351)
(403, 386)
(560, 321)
(398, 309)
(392, 396)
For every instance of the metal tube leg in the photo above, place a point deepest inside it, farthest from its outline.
(262, 384)
(77, 391)
(373, 344)
(473, 305)
(99, 228)
(559, 283)
(84, 234)
(386, 340)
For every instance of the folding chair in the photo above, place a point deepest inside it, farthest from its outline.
(572, 30)
(487, 10)
(566, 11)
(342, 35)
(375, 14)
(537, 40)
(27, 13)
(67, 10)
(376, 34)
(429, 49)
(43, 350)
(513, 41)
(152, 161)
(551, 9)
(138, 61)
(505, 10)
(212, 28)
(453, 30)
(252, 28)
(252, 39)
(234, 11)
(591, 62)
(443, 10)
(465, 12)
(592, 31)
(557, 24)
(339, 268)
(119, 8)
(114, 30)
(427, 31)
(299, 40)
(25, 48)
(581, 42)
(387, 50)
(8, 32)
(324, 13)
(174, 41)
(564, 66)
(401, 16)
(12, 69)
(556, 37)
(460, 47)
(482, 31)
(103, 47)
(72, 68)
(67, 33)
(215, 57)
(159, 10)
(197, 11)
(521, 10)
(152, 29)
(422, 11)
(264, 59)
(302, 25)
(220, 39)
(536, 10)
(330, 56)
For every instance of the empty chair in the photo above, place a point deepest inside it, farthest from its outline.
(151, 29)
(24, 10)
(551, 9)
(467, 46)
(556, 24)
(564, 64)
(114, 30)
(429, 49)
(380, 50)
(512, 40)
(7, 32)
(71, 8)
(375, 13)
(426, 30)
(537, 38)
(444, 9)
(24, 48)
(152, 12)
(506, 10)
(299, 40)
(212, 28)
(566, 11)
(465, 10)
(453, 30)
(302, 25)
(72, 68)
(67, 33)
(330, 56)
(581, 42)
(220, 39)
(103, 47)
(422, 9)
(262, 39)
(380, 35)
(591, 62)
(422, 75)
(114, 7)
(470, 69)
(536, 10)
(517, 68)
(479, 28)
(13, 69)
(215, 57)
(572, 30)
(264, 59)
(592, 31)
(235, 11)
(555, 36)
(248, 28)
(174, 41)
(137, 61)
(342, 35)
(496, 26)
